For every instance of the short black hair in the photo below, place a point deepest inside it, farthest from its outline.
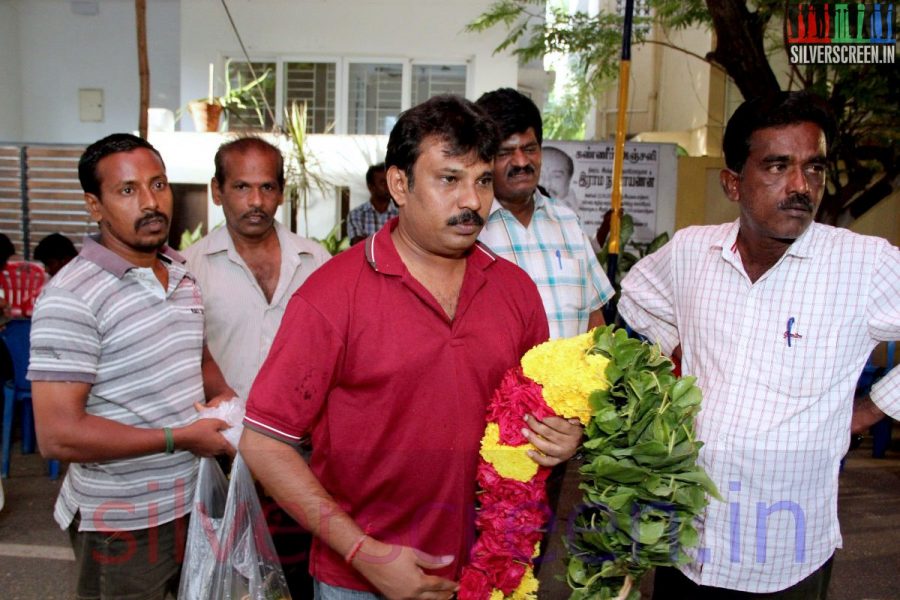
(55, 246)
(6, 249)
(513, 112)
(775, 110)
(111, 144)
(458, 122)
(370, 172)
(241, 145)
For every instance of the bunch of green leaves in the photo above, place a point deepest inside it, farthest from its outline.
(642, 486)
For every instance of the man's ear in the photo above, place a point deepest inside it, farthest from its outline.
(730, 182)
(93, 205)
(216, 192)
(398, 185)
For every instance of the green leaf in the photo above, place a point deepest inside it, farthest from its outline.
(650, 532)
(621, 471)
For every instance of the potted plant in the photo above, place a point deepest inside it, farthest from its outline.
(207, 112)
(303, 178)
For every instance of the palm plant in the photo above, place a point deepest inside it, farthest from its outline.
(303, 178)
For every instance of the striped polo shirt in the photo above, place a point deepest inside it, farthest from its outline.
(97, 322)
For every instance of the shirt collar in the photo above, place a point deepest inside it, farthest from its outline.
(108, 260)
(540, 203)
(219, 240)
(382, 255)
(801, 248)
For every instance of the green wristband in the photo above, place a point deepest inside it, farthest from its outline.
(170, 440)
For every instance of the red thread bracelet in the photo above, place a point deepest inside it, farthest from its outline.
(354, 550)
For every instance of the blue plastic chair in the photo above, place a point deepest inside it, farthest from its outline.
(17, 394)
(881, 431)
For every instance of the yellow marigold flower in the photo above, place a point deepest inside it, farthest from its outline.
(528, 587)
(567, 374)
(511, 462)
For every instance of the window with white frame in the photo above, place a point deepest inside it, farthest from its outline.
(642, 14)
(352, 96)
(431, 80)
(374, 97)
(313, 83)
(253, 115)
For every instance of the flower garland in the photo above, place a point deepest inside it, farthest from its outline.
(642, 486)
(555, 378)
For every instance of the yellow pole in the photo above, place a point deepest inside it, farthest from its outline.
(619, 157)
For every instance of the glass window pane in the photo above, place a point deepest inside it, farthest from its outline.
(373, 98)
(431, 80)
(312, 83)
(642, 15)
(248, 112)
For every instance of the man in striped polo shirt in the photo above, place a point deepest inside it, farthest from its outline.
(117, 365)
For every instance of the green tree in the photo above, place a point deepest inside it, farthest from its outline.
(750, 36)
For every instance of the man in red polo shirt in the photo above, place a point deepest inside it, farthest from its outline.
(395, 399)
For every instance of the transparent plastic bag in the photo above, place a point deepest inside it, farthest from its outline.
(204, 531)
(247, 567)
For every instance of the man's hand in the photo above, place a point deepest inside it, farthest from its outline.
(555, 438)
(397, 571)
(203, 438)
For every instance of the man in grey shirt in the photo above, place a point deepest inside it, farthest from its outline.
(118, 365)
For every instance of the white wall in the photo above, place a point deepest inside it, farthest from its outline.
(10, 73)
(669, 91)
(684, 82)
(60, 52)
(412, 29)
(47, 52)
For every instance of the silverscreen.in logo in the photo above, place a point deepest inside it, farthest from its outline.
(843, 33)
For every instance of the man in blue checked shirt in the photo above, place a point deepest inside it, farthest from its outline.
(538, 233)
(366, 219)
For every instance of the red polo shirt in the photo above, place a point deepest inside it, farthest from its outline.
(394, 393)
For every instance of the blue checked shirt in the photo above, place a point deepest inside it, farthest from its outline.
(364, 220)
(558, 256)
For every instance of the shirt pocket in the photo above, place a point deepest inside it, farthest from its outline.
(806, 367)
(567, 283)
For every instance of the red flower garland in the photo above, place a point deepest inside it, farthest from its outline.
(512, 513)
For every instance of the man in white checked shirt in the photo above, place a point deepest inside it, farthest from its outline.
(538, 233)
(776, 316)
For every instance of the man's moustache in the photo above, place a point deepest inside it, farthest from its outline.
(796, 201)
(149, 217)
(466, 217)
(513, 171)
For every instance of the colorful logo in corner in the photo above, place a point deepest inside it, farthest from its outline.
(841, 33)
